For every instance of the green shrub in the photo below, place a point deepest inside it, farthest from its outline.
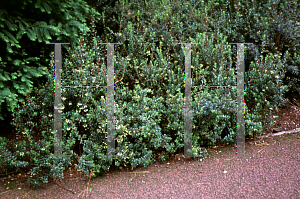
(149, 98)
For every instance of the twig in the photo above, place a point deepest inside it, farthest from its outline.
(203, 183)
(87, 187)
(27, 193)
(260, 150)
(11, 178)
(140, 172)
(5, 191)
(4, 174)
(131, 178)
(65, 187)
(262, 144)
(297, 130)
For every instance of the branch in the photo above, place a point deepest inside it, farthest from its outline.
(297, 130)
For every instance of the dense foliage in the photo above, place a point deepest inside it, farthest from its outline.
(25, 27)
(149, 87)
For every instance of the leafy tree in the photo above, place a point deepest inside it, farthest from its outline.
(25, 28)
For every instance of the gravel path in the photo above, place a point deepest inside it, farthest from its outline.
(269, 170)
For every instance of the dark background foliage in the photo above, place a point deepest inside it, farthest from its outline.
(10, 11)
